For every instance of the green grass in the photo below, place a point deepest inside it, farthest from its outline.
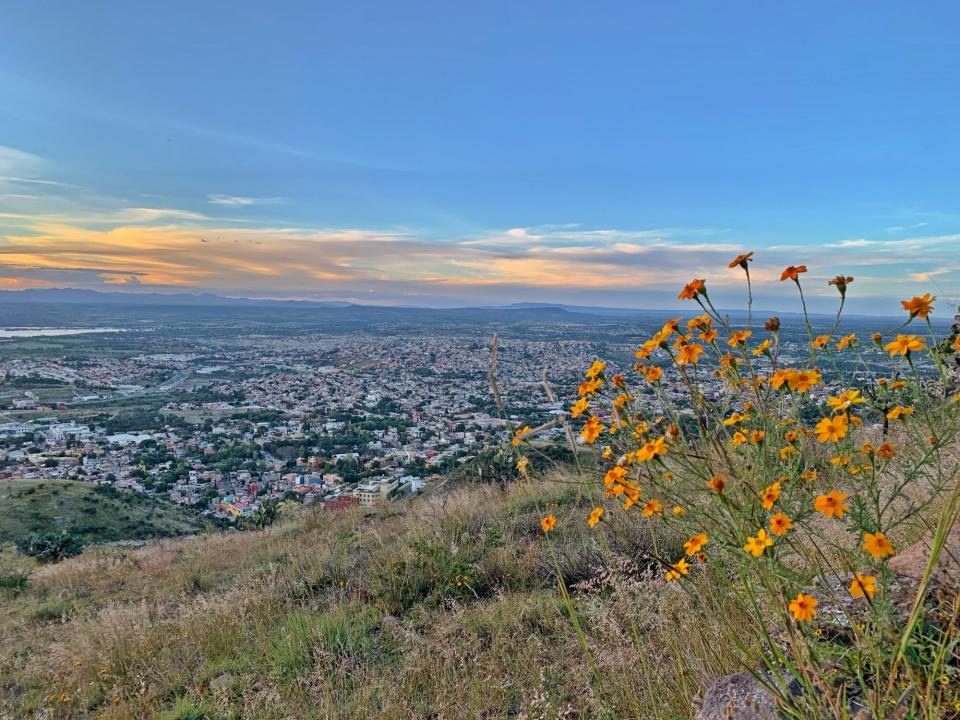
(93, 513)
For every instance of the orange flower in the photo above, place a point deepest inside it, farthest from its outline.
(841, 282)
(898, 411)
(787, 451)
(803, 607)
(769, 495)
(780, 523)
(886, 451)
(652, 373)
(832, 429)
(739, 337)
(678, 569)
(588, 388)
(548, 522)
(919, 307)
(519, 435)
(591, 430)
(596, 369)
(791, 272)
(820, 341)
(762, 348)
(692, 289)
(689, 354)
(756, 437)
(756, 544)
(735, 418)
(741, 260)
(802, 380)
(738, 438)
(863, 585)
(595, 516)
(847, 341)
(717, 483)
(614, 475)
(831, 504)
(695, 544)
(905, 344)
(877, 545)
(651, 508)
(579, 407)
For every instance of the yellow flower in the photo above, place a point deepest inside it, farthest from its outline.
(790, 435)
(770, 495)
(717, 483)
(652, 449)
(802, 380)
(591, 430)
(919, 307)
(847, 341)
(652, 373)
(596, 369)
(761, 348)
(899, 411)
(831, 504)
(614, 475)
(905, 344)
(678, 569)
(808, 475)
(820, 341)
(863, 585)
(700, 321)
(548, 522)
(832, 429)
(589, 387)
(579, 407)
(738, 438)
(652, 507)
(695, 544)
(523, 465)
(756, 437)
(756, 544)
(845, 400)
(520, 435)
(679, 511)
(803, 607)
(595, 516)
(780, 523)
(739, 337)
(779, 379)
(787, 451)
(877, 545)
(735, 418)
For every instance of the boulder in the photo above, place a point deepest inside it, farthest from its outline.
(736, 697)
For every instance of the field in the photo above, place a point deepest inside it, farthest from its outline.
(92, 513)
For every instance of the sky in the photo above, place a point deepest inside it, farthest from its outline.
(437, 153)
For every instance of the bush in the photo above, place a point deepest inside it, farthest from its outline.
(50, 546)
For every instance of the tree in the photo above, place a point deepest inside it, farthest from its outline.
(48, 546)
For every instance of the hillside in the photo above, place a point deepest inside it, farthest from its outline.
(93, 513)
(444, 607)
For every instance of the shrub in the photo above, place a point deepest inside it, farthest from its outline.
(47, 546)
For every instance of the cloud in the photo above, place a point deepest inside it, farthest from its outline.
(241, 201)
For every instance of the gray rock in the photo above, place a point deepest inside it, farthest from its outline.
(221, 682)
(736, 697)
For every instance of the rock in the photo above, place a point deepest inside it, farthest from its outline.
(736, 697)
(912, 561)
(221, 682)
(389, 621)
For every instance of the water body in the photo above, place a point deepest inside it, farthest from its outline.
(28, 332)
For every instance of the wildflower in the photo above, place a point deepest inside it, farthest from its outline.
(820, 341)
(644, 352)
(787, 451)
(519, 435)
(756, 544)
(790, 435)
(618, 381)
(588, 388)
(831, 504)
(523, 466)
(919, 307)
(596, 369)
(717, 483)
(863, 585)
(695, 544)
(803, 380)
(699, 321)
(708, 336)
(780, 523)
(847, 341)
(898, 411)
(898, 384)
(886, 451)
(741, 260)
(595, 516)
(832, 429)
(679, 511)
(877, 545)
(841, 282)
(845, 400)
(840, 460)
(905, 344)
(738, 439)
(792, 272)
(579, 407)
(652, 449)
(689, 354)
(779, 379)
(614, 475)
(809, 475)
(692, 289)
(591, 430)
(622, 400)
(548, 522)
(652, 507)
(761, 348)
(678, 569)
(757, 436)
(769, 495)
(803, 607)
(738, 337)
(652, 373)
(772, 324)
(735, 418)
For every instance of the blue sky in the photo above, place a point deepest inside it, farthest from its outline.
(439, 153)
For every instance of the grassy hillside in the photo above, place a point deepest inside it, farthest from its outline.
(446, 606)
(92, 513)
